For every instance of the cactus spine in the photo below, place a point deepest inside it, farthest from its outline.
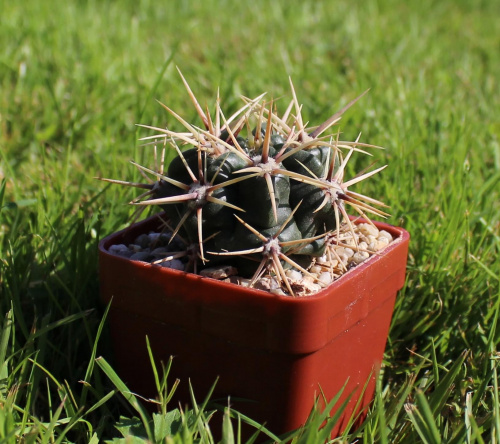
(257, 186)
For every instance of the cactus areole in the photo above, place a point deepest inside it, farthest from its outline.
(258, 186)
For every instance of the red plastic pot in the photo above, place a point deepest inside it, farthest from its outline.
(277, 351)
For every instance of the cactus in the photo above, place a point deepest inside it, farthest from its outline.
(259, 187)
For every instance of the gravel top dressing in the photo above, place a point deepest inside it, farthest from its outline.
(344, 251)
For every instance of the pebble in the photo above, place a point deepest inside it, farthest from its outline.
(368, 230)
(294, 275)
(144, 256)
(174, 264)
(309, 285)
(267, 284)
(238, 280)
(315, 269)
(322, 259)
(349, 252)
(359, 256)
(377, 245)
(344, 258)
(386, 235)
(362, 245)
(350, 241)
(160, 251)
(154, 237)
(143, 241)
(151, 247)
(219, 272)
(325, 278)
(120, 250)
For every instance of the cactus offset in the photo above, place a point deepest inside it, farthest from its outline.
(256, 186)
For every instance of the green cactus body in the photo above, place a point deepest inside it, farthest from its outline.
(313, 160)
(311, 217)
(221, 168)
(256, 201)
(265, 197)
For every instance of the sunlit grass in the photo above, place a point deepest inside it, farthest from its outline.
(75, 78)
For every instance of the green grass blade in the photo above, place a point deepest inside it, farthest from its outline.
(419, 424)
(496, 404)
(126, 393)
(428, 418)
(91, 364)
(100, 402)
(240, 416)
(4, 344)
(227, 428)
(440, 394)
(381, 414)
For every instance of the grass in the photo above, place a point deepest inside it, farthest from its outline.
(76, 76)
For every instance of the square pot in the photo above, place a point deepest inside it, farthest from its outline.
(274, 352)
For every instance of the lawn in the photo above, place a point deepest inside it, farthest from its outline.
(75, 79)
